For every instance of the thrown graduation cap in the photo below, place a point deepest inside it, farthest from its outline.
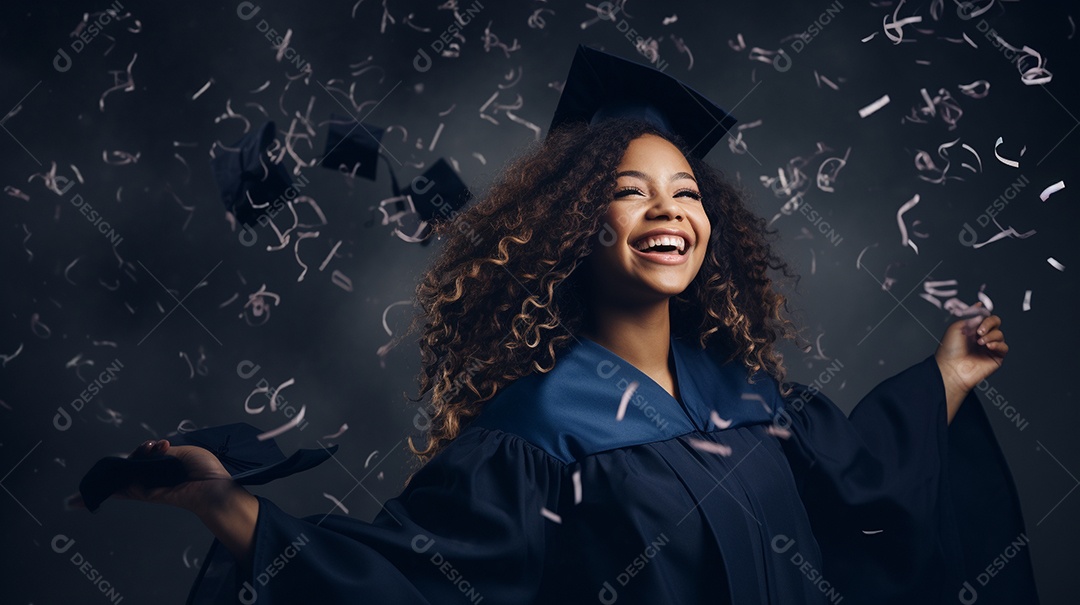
(248, 460)
(248, 180)
(601, 86)
(438, 192)
(352, 147)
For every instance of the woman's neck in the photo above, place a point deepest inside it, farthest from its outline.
(638, 334)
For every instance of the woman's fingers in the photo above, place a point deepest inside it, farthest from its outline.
(150, 447)
(992, 337)
(989, 323)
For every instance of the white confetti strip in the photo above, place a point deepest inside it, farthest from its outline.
(779, 432)
(203, 89)
(550, 515)
(577, 486)
(336, 502)
(285, 427)
(7, 358)
(370, 456)
(758, 398)
(627, 394)
(904, 241)
(1005, 161)
(718, 421)
(1051, 190)
(1027, 300)
(711, 447)
(1055, 264)
(876, 105)
(340, 432)
(989, 304)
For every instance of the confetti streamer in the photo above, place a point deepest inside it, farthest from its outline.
(977, 89)
(577, 486)
(340, 280)
(194, 563)
(1055, 264)
(247, 401)
(876, 105)
(370, 456)
(711, 447)
(296, 251)
(1027, 300)
(904, 241)
(550, 515)
(205, 88)
(329, 256)
(38, 328)
(718, 421)
(895, 29)
(758, 398)
(285, 427)
(827, 176)
(1005, 161)
(276, 393)
(127, 86)
(68, 269)
(4, 359)
(340, 432)
(1052, 189)
(191, 369)
(13, 192)
(627, 394)
(1032, 66)
(1010, 232)
(989, 304)
(778, 432)
(336, 502)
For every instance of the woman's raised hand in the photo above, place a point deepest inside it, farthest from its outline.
(971, 350)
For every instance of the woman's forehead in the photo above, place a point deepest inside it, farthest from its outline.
(651, 155)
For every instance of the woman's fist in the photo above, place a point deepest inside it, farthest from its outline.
(971, 350)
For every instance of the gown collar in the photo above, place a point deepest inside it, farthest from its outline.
(570, 411)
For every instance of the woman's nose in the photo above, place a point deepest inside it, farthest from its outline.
(664, 206)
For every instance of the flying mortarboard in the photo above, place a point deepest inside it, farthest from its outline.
(439, 193)
(248, 180)
(352, 145)
(248, 460)
(601, 86)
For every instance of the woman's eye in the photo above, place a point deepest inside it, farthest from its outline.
(688, 193)
(626, 190)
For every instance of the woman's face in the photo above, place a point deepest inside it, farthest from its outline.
(656, 231)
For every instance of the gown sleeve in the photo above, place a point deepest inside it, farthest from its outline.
(467, 528)
(906, 507)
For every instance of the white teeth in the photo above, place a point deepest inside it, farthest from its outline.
(662, 240)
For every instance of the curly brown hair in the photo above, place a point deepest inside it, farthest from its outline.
(505, 293)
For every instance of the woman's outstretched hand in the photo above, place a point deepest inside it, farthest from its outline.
(224, 506)
(970, 351)
(207, 485)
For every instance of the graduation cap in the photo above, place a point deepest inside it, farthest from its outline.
(601, 86)
(438, 192)
(350, 143)
(248, 460)
(248, 181)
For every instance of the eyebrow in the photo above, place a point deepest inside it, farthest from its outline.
(645, 177)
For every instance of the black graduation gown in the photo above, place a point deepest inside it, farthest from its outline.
(547, 498)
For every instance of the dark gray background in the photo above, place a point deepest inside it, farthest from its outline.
(119, 304)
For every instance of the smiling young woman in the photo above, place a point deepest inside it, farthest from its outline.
(611, 421)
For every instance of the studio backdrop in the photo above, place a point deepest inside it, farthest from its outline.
(914, 158)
